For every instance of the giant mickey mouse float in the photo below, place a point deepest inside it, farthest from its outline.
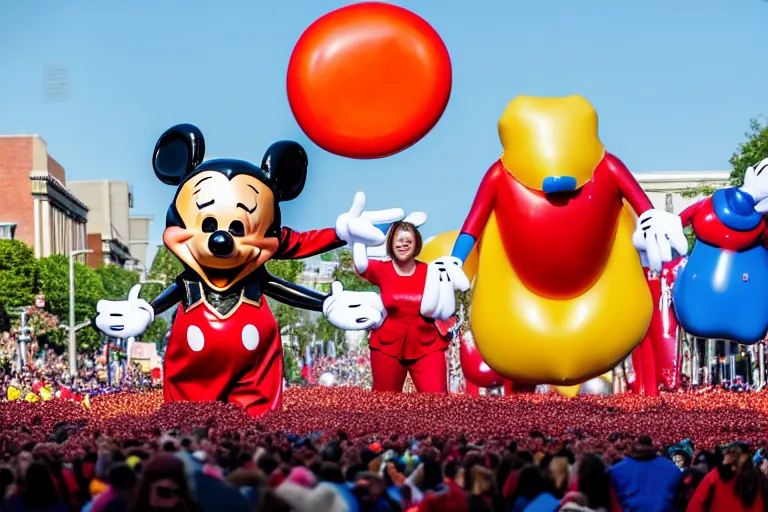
(224, 225)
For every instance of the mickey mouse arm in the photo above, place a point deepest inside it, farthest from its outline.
(167, 299)
(296, 245)
(689, 213)
(479, 213)
(292, 294)
(628, 185)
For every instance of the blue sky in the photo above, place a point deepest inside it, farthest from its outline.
(674, 82)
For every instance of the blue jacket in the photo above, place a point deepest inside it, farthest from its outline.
(646, 485)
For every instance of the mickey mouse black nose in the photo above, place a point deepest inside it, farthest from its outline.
(221, 244)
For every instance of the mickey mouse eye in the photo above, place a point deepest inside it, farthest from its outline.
(210, 225)
(236, 228)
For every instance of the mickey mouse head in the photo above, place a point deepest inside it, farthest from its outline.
(224, 221)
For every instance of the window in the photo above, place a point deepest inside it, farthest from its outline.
(130, 199)
(7, 231)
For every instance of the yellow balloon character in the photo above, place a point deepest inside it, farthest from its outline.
(560, 295)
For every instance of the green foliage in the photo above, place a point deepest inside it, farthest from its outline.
(156, 331)
(53, 281)
(5, 319)
(326, 332)
(18, 274)
(703, 190)
(117, 281)
(690, 236)
(328, 256)
(750, 152)
(291, 370)
(288, 270)
(166, 268)
(285, 315)
(345, 274)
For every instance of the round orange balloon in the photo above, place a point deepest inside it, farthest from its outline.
(442, 245)
(368, 80)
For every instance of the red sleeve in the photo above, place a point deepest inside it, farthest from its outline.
(628, 185)
(701, 495)
(371, 274)
(687, 215)
(295, 244)
(481, 208)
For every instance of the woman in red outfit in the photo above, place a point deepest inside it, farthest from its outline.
(406, 342)
(736, 485)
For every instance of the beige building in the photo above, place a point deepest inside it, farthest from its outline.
(114, 235)
(36, 207)
(668, 190)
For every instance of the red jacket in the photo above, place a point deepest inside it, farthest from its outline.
(721, 496)
(451, 498)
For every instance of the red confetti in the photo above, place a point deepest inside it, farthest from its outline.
(708, 419)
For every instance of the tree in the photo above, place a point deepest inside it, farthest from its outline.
(18, 274)
(156, 331)
(291, 370)
(53, 278)
(345, 274)
(326, 332)
(166, 268)
(288, 270)
(750, 152)
(117, 281)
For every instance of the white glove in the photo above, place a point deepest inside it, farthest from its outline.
(124, 318)
(658, 233)
(444, 277)
(756, 185)
(353, 311)
(418, 219)
(358, 227)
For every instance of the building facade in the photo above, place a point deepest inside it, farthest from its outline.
(114, 236)
(36, 206)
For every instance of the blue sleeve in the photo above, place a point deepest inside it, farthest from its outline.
(463, 246)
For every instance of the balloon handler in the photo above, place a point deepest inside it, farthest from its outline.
(224, 225)
(560, 295)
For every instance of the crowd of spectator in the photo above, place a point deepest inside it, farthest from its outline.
(43, 367)
(276, 472)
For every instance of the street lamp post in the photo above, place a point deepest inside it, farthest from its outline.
(72, 332)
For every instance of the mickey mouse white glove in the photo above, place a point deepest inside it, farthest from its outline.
(444, 278)
(756, 185)
(124, 318)
(353, 311)
(358, 228)
(658, 233)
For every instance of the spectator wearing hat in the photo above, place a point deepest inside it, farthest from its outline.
(682, 454)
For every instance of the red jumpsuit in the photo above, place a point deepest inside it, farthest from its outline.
(236, 356)
(406, 342)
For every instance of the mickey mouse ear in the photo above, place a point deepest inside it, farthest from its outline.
(178, 152)
(285, 163)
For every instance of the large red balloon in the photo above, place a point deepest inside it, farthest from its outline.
(474, 367)
(368, 80)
